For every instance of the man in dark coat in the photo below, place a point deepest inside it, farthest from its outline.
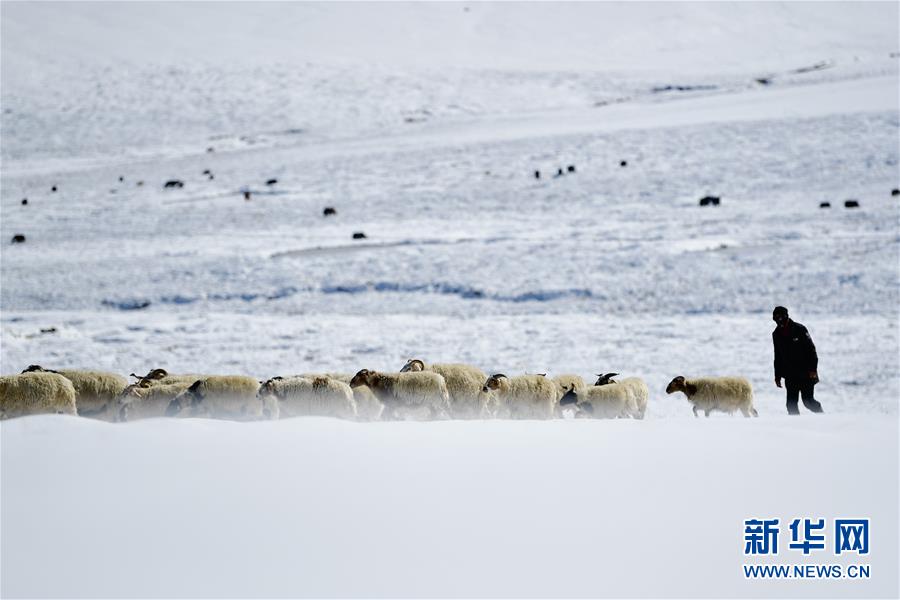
(795, 361)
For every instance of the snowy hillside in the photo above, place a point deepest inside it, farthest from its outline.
(423, 125)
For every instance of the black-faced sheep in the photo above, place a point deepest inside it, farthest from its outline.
(231, 397)
(407, 396)
(311, 397)
(523, 397)
(725, 394)
(465, 383)
(36, 393)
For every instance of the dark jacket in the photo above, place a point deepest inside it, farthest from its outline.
(795, 353)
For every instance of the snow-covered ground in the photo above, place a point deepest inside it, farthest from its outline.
(422, 124)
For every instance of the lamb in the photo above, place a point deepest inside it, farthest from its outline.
(311, 397)
(96, 392)
(408, 396)
(464, 383)
(233, 397)
(725, 394)
(36, 393)
(524, 397)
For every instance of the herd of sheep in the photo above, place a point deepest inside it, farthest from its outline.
(418, 392)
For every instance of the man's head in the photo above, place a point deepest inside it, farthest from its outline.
(780, 315)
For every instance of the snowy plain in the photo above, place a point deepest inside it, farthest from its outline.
(422, 124)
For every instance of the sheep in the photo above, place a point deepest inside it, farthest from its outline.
(311, 397)
(368, 406)
(408, 396)
(96, 392)
(465, 385)
(36, 393)
(725, 394)
(233, 397)
(524, 397)
(597, 402)
(145, 402)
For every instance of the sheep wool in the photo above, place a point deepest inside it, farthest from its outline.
(465, 384)
(637, 396)
(149, 402)
(608, 401)
(36, 393)
(311, 397)
(231, 397)
(96, 392)
(524, 397)
(725, 394)
(408, 396)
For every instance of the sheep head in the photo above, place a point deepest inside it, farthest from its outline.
(267, 388)
(189, 398)
(605, 378)
(362, 377)
(495, 382)
(570, 397)
(413, 364)
(676, 385)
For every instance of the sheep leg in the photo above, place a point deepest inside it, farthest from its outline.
(696, 414)
(707, 411)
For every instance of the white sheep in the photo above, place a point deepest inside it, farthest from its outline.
(311, 397)
(625, 398)
(725, 394)
(36, 393)
(232, 397)
(465, 383)
(149, 401)
(524, 396)
(96, 392)
(368, 406)
(408, 396)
